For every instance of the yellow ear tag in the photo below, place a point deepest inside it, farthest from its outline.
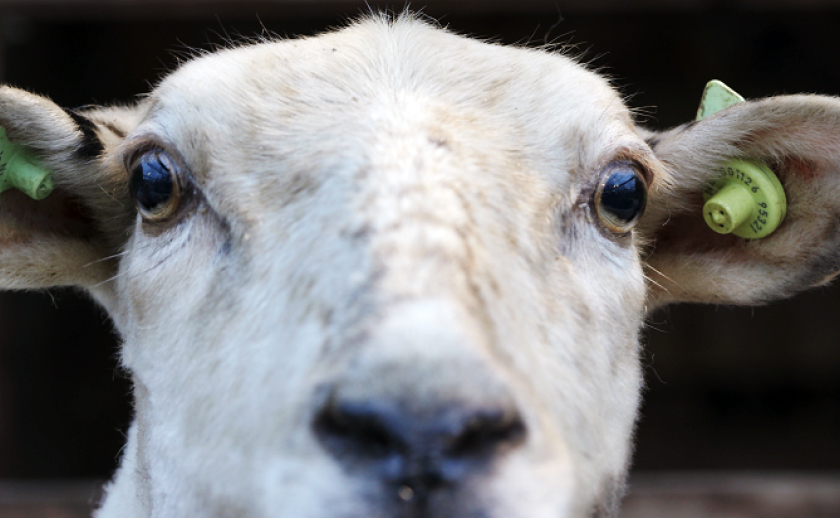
(747, 198)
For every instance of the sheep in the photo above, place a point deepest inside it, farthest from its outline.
(387, 270)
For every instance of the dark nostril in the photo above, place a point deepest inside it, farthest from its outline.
(355, 429)
(380, 429)
(485, 432)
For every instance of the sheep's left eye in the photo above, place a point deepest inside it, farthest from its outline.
(153, 183)
(621, 197)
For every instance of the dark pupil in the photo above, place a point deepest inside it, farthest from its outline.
(151, 182)
(624, 195)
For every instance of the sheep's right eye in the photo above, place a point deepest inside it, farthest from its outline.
(154, 185)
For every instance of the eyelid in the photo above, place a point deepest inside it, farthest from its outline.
(136, 146)
(642, 159)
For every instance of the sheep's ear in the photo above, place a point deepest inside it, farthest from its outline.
(798, 137)
(66, 238)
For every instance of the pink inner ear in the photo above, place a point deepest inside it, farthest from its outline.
(23, 219)
(689, 234)
(802, 168)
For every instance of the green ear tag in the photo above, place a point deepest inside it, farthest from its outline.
(747, 198)
(20, 169)
(716, 96)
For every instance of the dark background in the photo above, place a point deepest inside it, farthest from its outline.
(728, 388)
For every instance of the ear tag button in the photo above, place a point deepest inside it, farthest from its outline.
(747, 198)
(20, 169)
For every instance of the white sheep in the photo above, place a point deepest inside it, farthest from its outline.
(386, 270)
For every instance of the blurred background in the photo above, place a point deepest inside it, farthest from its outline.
(741, 414)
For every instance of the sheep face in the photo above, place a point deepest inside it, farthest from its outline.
(385, 287)
(393, 271)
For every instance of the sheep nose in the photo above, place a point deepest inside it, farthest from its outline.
(418, 447)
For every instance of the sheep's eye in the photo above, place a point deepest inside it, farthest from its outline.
(153, 184)
(621, 197)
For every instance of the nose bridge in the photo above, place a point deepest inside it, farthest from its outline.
(422, 239)
(419, 344)
(421, 358)
(417, 198)
(424, 354)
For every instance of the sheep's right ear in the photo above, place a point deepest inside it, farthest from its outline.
(66, 238)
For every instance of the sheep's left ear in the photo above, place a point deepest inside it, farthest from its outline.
(798, 137)
(66, 238)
